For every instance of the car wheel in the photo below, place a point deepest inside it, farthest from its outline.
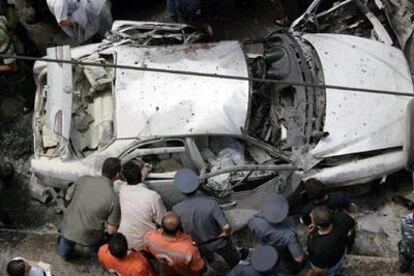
(408, 146)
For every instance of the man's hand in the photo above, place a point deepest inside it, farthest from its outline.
(301, 258)
(66, 23)
(8, 67)
(111, 229)
(225, 231)
(352, 208)
(70, 192)
(316, 271)
(144, 172)
(311, 227)
(165, 260)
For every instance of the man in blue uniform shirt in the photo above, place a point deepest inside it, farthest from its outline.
(273, 227)
(202, 218)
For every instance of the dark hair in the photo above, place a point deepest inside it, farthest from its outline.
(118, 245)
(16, 268)
(131, 173)
(111, 167)
(321, 216)
(316, 189)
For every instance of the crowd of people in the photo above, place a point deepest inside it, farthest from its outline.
(132, 232)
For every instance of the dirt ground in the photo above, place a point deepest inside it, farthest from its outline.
(378, 218)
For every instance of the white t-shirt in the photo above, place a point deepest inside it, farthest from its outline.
(141, 208)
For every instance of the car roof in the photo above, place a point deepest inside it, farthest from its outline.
(150, 104)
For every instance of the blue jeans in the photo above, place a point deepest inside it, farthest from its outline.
(66, 248)
(336, 269)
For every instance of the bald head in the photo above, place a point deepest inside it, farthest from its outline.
(170, 224)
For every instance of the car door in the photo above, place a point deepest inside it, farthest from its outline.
(164, 157)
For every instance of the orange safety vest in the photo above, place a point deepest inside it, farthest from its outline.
(180, 250)
(134, 264)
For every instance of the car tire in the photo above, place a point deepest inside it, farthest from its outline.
(408, 146)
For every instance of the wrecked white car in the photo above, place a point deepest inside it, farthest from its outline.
(245, 139)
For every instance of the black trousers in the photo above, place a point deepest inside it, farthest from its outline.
(228, 252)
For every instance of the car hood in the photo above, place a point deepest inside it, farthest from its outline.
(150, 104)
(356, 121)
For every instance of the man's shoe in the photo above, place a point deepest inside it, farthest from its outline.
(403, 269)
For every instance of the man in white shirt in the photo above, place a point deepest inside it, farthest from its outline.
(141, 208)
(82, 19)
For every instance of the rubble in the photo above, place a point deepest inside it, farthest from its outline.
(368, 265)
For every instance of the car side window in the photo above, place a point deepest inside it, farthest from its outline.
(225, 152)
(162, 156)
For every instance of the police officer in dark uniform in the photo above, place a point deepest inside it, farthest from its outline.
(264, 261)
(274, 228)
(406, 245)
(202, 218)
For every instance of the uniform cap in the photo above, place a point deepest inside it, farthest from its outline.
(186, 181)
(275, 208)
(264, 258)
